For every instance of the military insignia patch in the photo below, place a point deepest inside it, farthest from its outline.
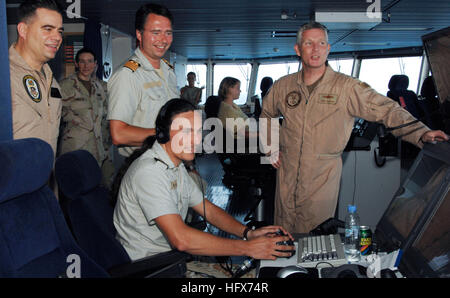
(32, 88)
(293, 99)
(173, 184)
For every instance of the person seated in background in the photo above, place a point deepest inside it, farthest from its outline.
(229, 91)
(190, 92)
(84, 110)
(429, 102)
(156, 191)
(265, 85)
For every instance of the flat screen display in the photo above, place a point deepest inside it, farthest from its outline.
(437, 48)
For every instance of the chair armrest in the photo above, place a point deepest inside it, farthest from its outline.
(153, 266)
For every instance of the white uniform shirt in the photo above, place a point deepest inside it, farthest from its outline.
(152, 187)
(135, 97)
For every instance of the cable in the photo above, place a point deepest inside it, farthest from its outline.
(354, 183)
(331, 265)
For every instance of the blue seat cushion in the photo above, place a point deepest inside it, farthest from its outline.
(28, 217)
(26, 165)
(77, 173)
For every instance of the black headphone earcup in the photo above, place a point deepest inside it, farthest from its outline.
(161, 136)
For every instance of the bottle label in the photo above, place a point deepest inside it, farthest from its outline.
(353, 231)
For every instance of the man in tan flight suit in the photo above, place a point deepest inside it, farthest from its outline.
(319, 106)
(145, 83)
(35, 94)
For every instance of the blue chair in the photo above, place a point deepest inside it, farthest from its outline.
(89, 211)
(34, 238)
(398, 91)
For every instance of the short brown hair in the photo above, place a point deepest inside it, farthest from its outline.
(308, 26)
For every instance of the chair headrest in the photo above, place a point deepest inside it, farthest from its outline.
(398, 82)
(26, 165)
(428, 89)
(77, 172)
(212, 106)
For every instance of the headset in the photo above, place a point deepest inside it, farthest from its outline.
(164, 118)
(162, 134)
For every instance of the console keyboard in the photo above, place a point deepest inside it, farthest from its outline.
(325, 248)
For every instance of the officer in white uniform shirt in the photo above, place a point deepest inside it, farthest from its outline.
(145, 83)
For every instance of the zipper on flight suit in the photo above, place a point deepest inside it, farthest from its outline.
(303, 138)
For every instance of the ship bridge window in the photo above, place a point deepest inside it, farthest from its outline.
(342, 65)
(240, 71)
(275, 71)
(377, 72)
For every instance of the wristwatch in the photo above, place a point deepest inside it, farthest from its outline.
(247, 229)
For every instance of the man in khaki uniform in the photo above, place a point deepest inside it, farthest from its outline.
(190, 92)
(145, 83)
(319, 106)
(84, 113)
(36, 98)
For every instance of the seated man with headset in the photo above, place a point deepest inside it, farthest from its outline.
(156, 192)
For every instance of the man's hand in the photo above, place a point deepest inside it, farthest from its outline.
(267, 248)
(275, 159)
(433, 136)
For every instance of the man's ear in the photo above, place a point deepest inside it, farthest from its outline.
(139, 36)
(297, 50)
(22, 29)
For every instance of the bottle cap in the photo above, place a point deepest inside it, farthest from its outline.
(351, 208)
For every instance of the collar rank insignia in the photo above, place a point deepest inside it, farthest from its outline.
(167, 62)
(132, 65)
(32, 88)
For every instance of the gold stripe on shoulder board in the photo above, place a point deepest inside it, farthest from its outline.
(167, 62)
(132, 65)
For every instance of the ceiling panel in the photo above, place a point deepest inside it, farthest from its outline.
(242, 29)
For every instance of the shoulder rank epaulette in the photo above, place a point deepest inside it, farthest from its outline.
(167, 62)
(132, 65)
(364, 85)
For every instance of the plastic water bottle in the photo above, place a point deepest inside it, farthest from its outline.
(351, 244)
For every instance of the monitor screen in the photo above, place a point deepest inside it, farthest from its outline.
(407, 207)
(437, 47)
(429, 255)
(403, 215)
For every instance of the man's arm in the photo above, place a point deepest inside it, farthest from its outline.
(125, 134)
(193, 241)
(368, 104)
(222, 220)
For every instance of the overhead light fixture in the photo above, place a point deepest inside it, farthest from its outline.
(284, 34)
(209, 45)
(285, 15)
(348, 20)
(366, 44)
(195, 30)
(401, 29)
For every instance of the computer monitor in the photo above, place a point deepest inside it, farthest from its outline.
(436, 45)
(429, 254)
(418, 195)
